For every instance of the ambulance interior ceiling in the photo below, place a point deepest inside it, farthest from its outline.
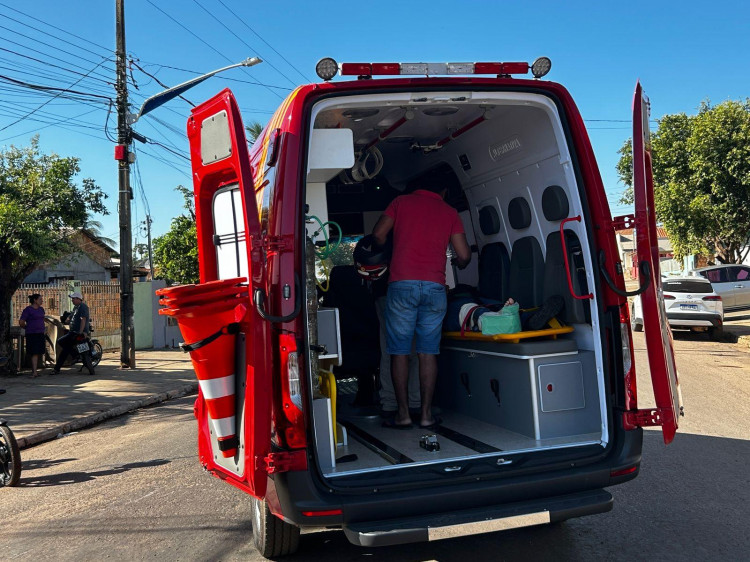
(497, 139)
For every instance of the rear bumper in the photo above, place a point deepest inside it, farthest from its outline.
(477, 521)
(694, 319)
(562, 493)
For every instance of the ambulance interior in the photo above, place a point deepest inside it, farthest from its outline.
(505, 160)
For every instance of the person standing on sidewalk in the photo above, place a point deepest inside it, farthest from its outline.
(423, 226)
(79, 329)
(32, 321)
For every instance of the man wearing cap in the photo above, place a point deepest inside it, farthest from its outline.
(79, 328)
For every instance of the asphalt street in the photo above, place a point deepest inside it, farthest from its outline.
(132, 489)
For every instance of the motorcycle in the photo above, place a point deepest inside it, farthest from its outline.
(10, 455)
(85, 347)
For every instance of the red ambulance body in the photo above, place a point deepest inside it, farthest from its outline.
(535, 424)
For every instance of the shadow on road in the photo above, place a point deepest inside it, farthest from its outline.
(64, 478)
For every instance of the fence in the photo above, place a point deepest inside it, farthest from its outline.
(102, 298)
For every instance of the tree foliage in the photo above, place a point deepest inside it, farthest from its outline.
(254, 130)
(40, 207)
(176, 252)
(701, 166)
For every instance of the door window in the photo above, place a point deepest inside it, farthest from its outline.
(740, 273)
(229, 237)
(716, 275)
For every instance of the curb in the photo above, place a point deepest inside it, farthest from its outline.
(88, 421)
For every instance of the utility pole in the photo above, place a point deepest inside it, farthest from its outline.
(150, 256)
(122, 155)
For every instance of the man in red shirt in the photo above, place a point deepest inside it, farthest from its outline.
(423, 225)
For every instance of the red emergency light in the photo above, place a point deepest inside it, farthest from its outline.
(327, 67)
(432, 68)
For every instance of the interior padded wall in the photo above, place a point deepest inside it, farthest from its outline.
(526, 278)
(469, 275)
(317, 206)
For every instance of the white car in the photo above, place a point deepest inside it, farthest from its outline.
(731, 282)
(691, 304)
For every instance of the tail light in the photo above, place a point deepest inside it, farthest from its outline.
(669, 297)
(628, 365)
(712, 298)
(291, 392)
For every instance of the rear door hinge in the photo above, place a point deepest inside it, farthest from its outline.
(624, 221)
(285, 461)
(642, 418)
(273, 243)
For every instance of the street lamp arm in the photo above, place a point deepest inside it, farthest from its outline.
(161, 98)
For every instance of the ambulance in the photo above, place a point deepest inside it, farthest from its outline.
(535, 425)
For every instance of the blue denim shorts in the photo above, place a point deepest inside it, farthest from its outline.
(414, 309)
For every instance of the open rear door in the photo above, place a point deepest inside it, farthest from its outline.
(658, 335)
(227, 223)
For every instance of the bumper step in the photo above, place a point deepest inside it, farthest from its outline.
(478, 521)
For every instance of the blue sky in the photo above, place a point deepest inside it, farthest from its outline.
(683, 52)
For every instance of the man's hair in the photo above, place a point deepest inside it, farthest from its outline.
(33, 297)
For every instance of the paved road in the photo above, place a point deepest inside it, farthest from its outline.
(132, 489)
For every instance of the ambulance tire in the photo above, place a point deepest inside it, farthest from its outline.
(272, 537)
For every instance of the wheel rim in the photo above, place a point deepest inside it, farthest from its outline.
(256, 515)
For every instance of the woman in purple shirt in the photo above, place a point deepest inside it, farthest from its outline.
(32, 320)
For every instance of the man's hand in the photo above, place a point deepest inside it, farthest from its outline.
(463, 252)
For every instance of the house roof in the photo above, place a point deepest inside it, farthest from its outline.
(626, 238)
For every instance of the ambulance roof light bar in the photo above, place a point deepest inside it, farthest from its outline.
(327, 68)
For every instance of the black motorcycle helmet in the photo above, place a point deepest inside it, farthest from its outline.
(370, 259)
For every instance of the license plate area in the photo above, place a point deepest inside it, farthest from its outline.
(688, 307)
(82, 347)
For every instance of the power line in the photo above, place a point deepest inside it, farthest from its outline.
(266, 42)
(37, 40)
(46, 63)
(243, 41)
(108, 50)
(45, 103)
(228, 79)
(207, 44)
(51, 88)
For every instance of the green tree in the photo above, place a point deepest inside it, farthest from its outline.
(254, 130)
(40, 206)
(701, 166)
(176, 252)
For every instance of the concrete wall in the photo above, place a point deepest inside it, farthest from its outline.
(151, 329)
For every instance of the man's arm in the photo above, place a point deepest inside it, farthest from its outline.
(461, 247)
(382, 228)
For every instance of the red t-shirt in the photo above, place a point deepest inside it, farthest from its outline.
(422, 230)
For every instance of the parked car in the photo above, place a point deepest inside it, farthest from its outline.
(691, 304)
(731, 282)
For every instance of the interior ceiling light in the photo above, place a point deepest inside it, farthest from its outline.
(541, 67)
(440, 110)
(326, 68)
(360, 113)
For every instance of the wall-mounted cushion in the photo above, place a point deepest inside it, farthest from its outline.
(519, 213)
(489, 220)
(555, 203)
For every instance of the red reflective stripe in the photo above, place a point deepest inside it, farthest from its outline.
(322, 513)
(356, 69)
(219, 408)
(624, 471)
